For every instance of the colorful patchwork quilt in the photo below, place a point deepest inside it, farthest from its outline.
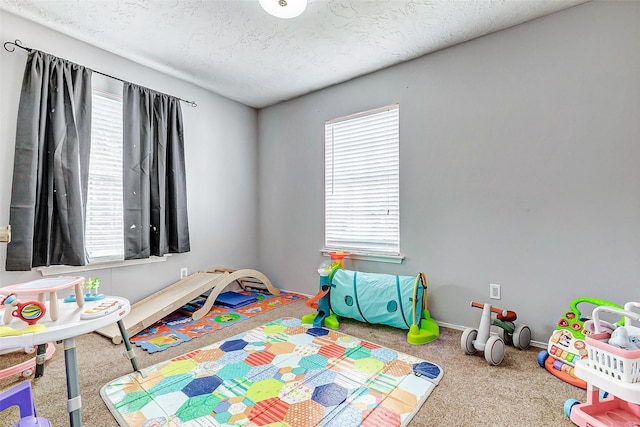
(280, 374)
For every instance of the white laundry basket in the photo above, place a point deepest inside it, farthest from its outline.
(617, 363)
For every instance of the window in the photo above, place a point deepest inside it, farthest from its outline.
(362, 185)
(104, 218)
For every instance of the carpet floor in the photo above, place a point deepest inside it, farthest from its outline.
(516, 393)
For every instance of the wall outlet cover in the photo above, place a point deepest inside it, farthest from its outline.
(5, 233)
(494, 291)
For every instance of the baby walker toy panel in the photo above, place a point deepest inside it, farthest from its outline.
(567, 344)
(566, 347)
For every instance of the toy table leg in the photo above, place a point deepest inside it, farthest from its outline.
(74, 404)
(41, 356)
(53, 306)
(6, 317)
(79, 295)
(129, 354)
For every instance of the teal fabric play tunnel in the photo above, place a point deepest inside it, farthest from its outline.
(375, 298)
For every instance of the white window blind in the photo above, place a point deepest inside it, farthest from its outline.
(362, 185)
(104, 221)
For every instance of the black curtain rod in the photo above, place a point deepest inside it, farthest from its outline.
(18, 43)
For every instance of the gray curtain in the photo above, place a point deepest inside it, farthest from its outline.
(51, 163)
(155, 197)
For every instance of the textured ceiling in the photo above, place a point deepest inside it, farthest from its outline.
(237, 50)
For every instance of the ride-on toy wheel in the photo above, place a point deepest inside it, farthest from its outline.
(522, 337)
(466, 341)
(542, 357)
(503, 331)
(494, 350)
(568, 404)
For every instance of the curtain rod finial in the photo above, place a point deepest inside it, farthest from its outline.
(16, 43)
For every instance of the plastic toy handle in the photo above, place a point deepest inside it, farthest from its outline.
(628, 306)
(7, 299)
(504, 315)
(6, 317)
(595, 301)
(625, 313)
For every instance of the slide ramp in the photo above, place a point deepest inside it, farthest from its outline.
(149, 310)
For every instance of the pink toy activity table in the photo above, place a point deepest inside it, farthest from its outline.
(50, 286)
(72, 321)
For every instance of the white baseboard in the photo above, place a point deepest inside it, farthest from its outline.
(542, 345)
(538, 344)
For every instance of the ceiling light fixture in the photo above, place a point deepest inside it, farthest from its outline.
(284, 8)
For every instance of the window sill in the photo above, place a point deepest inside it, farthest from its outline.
(364, 256)
(66, 269)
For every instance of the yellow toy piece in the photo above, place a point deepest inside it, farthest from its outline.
(6, 331)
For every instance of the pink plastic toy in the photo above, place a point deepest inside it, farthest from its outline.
(26, 368)
(610, 368)
(50, 286)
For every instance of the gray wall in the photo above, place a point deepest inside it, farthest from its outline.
(520, 165)
(221, 161)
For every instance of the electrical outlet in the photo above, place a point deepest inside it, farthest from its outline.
(494, 291)
(5, 233)
(184, 272)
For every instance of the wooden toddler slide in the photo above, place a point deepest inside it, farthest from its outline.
(154, 307)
